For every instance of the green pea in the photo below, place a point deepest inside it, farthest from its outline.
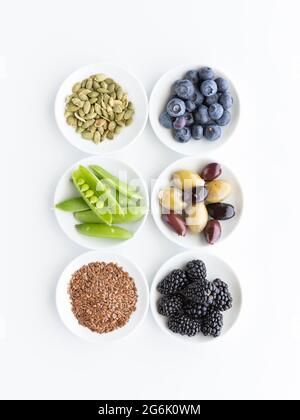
(94, 199)
(80, 181)
(89, 193)
(84, 188)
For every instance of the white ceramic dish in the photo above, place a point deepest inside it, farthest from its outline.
(136, 94)
(216, 268)
(64, 306)
(65, 189)
(159, 98)
(195, 164)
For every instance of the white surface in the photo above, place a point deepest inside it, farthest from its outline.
(216, 268)
(196, 164)
(136, 94)
(161, 95)
(65, 189)
(64, 307)
(254, 42)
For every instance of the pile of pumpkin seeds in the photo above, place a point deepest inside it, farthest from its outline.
(98, 108)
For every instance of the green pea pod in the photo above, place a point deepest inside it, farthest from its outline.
(103, 231)
(132, 215)
(98, 185)
(84, 183)
(72, 205)
(116, 183)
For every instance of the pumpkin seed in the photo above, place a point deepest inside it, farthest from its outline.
(102, 90)
(120, 116)
(89, 84)
(100, 122)
(112, 126)
(90, 116)
(128, 122)
(118, 129)
(128, 114)
(77, 102)
(130, 106)
(88, 123)
(103, 85)
(110, 135)
(113, 95)
(72, 108)
(86, 107)
(111, 87)
(81, 113)
(117, 109)
(76, 87)
(96, 85)
(83, 83)
(97, 137)
(119, 93)
(97, 108)
(71, 121)
(87, 135)
(100, 77)
(108, 80)
(67, 114)
(93, 94)
(93, 100)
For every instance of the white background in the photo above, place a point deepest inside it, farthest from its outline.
(256, 44)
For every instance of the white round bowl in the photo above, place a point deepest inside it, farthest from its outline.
(216, 268)
(136, 94)
(159, 98)
(196, 164)
(65, 189)
(64, 305)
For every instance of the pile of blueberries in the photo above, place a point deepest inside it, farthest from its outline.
(199, 106)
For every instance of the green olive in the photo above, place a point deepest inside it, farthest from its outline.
(218, 190)
(197, 218)
(171, 198)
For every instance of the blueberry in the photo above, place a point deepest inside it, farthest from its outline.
(192, 75)
(179, 123)
(190, 105)
(225, 119)
(183, 135)
(226, 100)
(208, 87)
(215, 111)
(189, 119)
(201, 114)
(176, 107)
(206, 73)
(165, 120)
(184, 89)
(212, 132)
(197, 132)
(211, 99)
(197, 97)
(222, 84)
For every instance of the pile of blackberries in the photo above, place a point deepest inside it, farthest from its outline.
(192, 303)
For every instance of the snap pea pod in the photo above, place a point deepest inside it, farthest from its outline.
(103, 231)
(132, 215)
(116, 183)
(98, 185)
(72, 205)
(91, 191)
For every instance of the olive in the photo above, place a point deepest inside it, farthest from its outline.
(197, 218)
(220, 211)
(195, 195)
(186, 179)
(171, 198)
(211, 171)
(176, 222)
(218, 190)
(212, 231)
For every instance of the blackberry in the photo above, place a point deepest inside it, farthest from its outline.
(182, 324)
(195, 270)
(170, 305)
(173, 282)
(195, 310)
(203, 292)
(212, 323)
(223, 300)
